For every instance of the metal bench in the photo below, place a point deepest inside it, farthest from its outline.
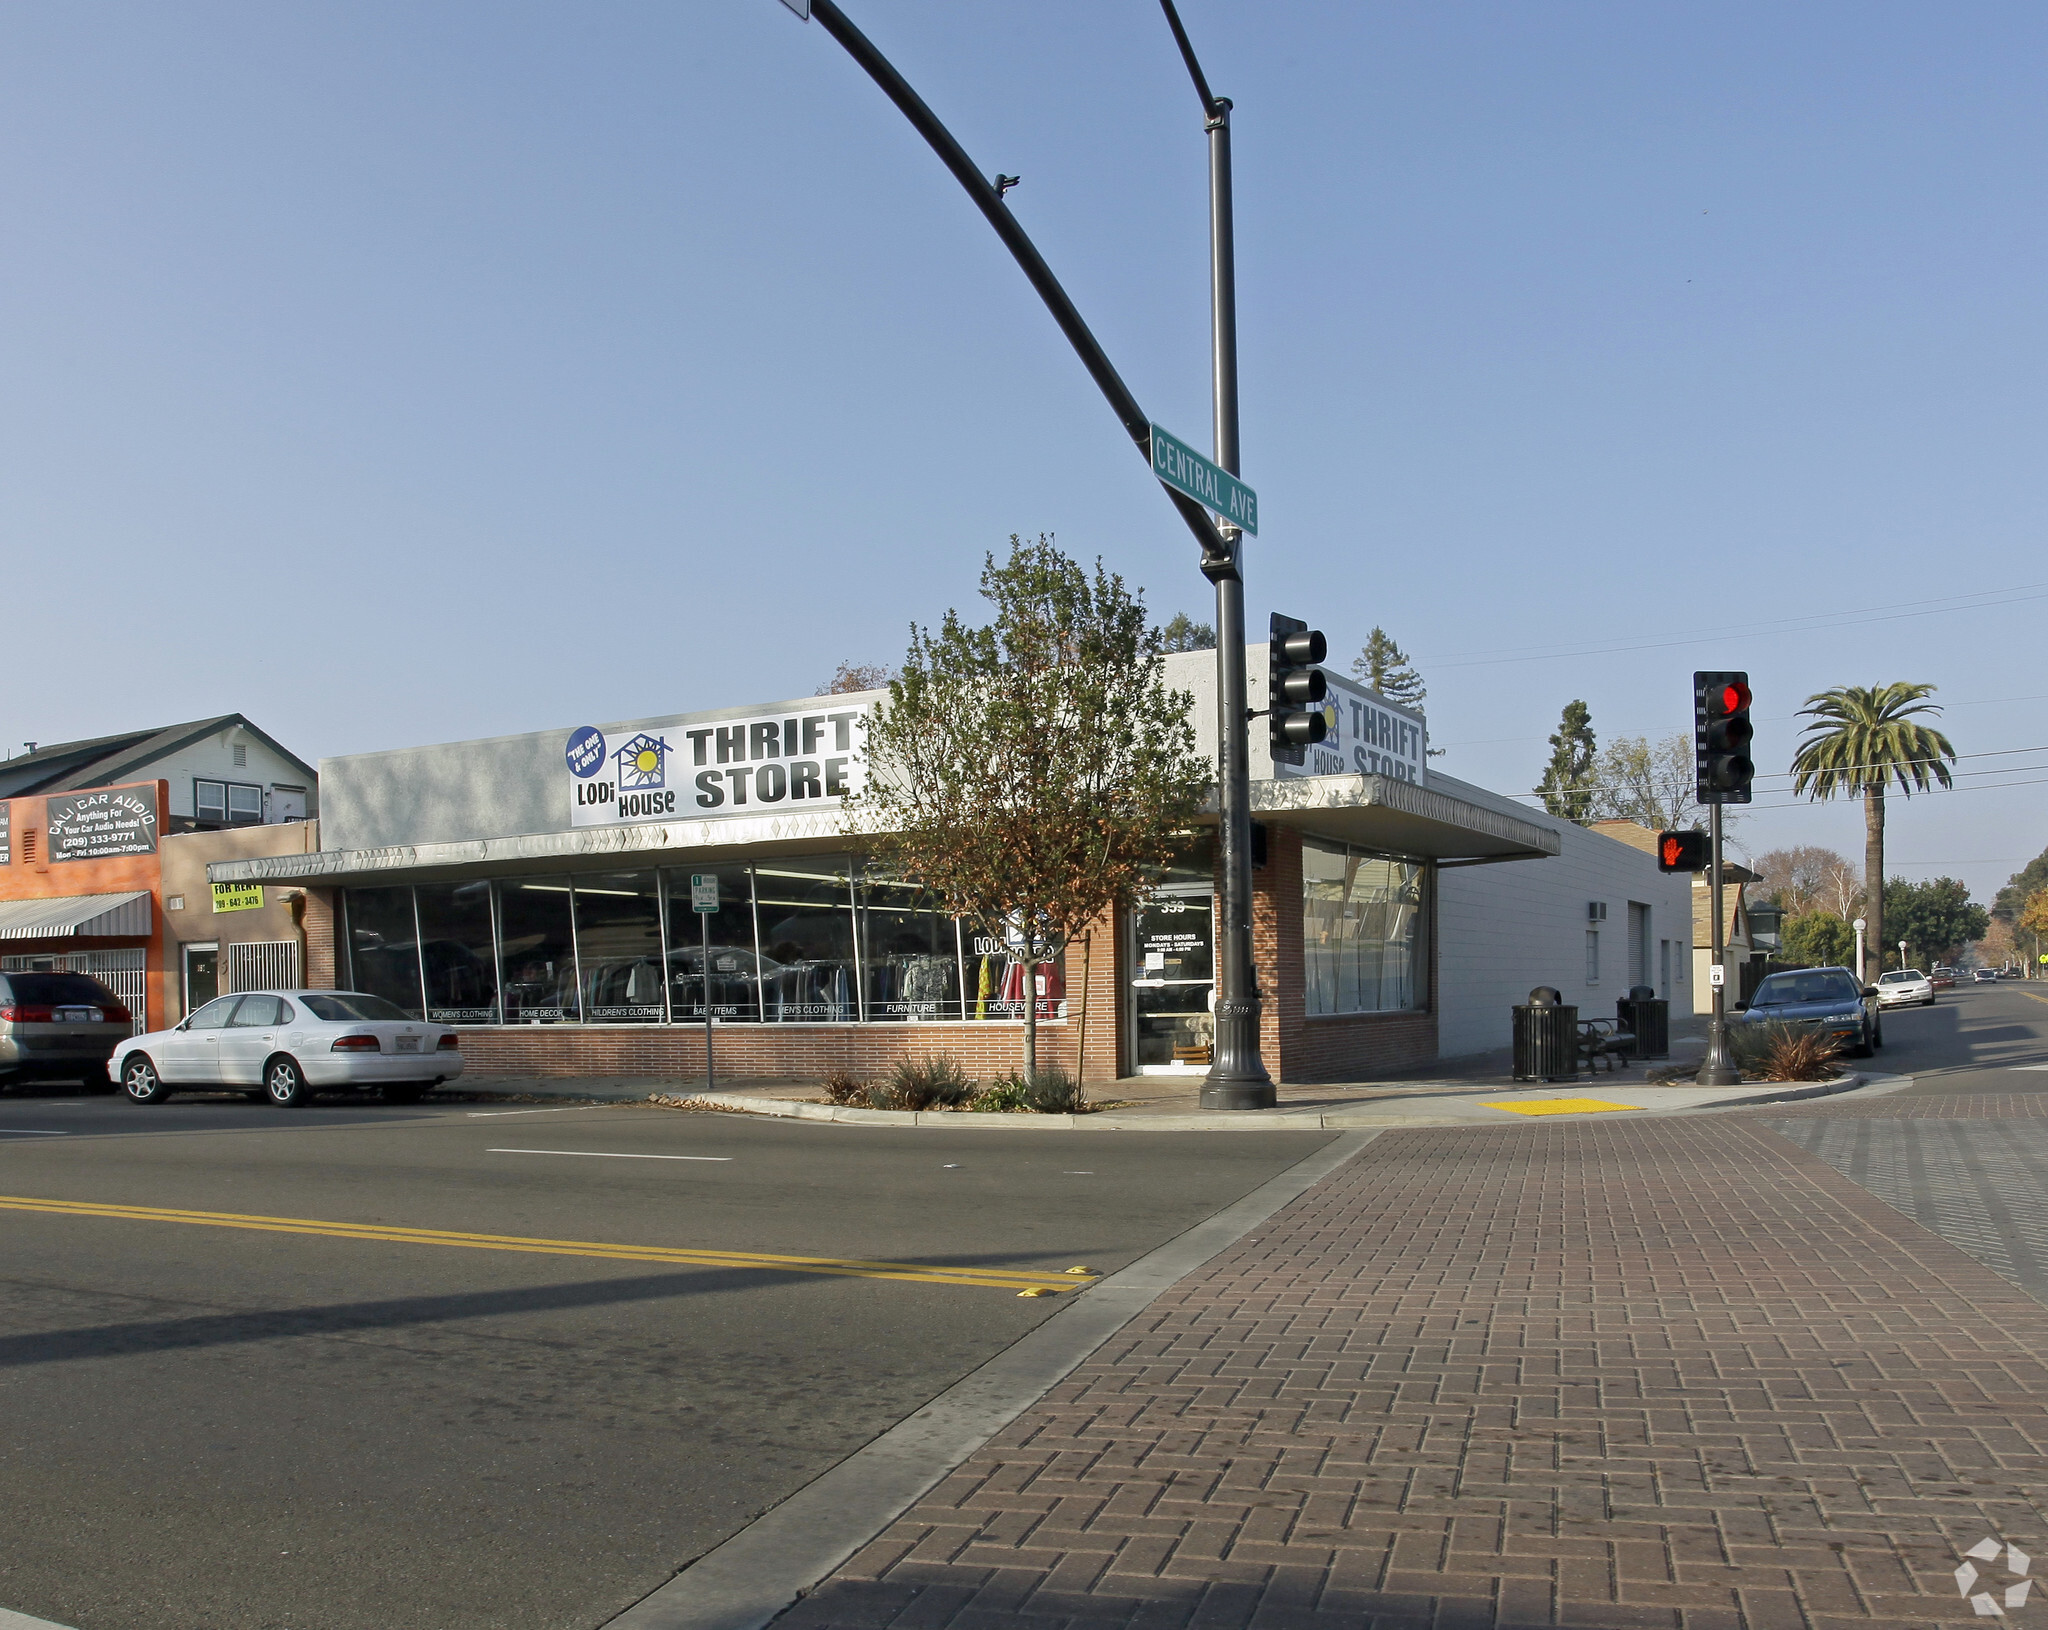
(1604, 1039)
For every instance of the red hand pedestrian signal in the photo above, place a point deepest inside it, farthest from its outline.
(1681, 851)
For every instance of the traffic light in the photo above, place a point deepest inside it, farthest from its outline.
(1721, 734)
(1295, 688)
(1681, 851)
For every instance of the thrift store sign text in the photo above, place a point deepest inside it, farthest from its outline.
(730, 767)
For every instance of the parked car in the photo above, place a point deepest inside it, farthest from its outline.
(285, 1045)
(59, 1026)
(1905, 987)
(1827, 1000)
(1984, 976)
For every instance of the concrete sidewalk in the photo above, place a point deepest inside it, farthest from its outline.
(1626, 1372)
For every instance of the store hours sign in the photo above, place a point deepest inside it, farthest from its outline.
(102, 825)
(686, 769)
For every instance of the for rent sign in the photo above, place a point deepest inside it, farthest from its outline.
(102, 825)
(687, 769)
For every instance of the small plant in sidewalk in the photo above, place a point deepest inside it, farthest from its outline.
(1784, 1052)
(933, 1082)
(1050, 1091)
(844, 1087)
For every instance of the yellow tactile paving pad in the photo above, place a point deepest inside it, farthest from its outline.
(1559, 1106)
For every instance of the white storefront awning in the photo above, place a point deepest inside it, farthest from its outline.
(68, 916)
(1380, 812)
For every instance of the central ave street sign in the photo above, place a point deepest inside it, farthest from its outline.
(1208, 483)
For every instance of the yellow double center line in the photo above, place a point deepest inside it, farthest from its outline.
(670, 1256)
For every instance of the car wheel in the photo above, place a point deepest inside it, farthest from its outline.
(284, 1084)
(404, 1092)
(140, 1081)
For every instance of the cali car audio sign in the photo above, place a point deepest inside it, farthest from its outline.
(102, 825)
(686, 769)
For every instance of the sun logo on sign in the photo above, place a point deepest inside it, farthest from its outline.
(643, 762)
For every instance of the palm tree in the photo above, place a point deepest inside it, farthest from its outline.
(1863, 737)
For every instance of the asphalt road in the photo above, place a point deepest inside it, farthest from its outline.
(1976, 1038)
(210, 1427)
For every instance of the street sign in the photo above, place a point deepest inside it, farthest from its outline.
(1208, 483)
(703, 892)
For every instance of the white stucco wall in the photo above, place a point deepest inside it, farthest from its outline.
(1507, 928)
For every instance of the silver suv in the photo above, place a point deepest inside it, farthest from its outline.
(59, 1026)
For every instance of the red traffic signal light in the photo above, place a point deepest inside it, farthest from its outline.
(1681, 851)
(1721, 734)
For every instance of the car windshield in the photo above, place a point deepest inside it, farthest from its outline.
(1899, 976)
(341, 1006)
(1821, 985)
(60, 990)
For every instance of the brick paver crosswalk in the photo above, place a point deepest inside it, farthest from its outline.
(1673, 1373)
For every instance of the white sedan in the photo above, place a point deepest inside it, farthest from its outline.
(285, 1045)
(1905, 987)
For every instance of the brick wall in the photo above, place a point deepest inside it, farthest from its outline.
(319, 928)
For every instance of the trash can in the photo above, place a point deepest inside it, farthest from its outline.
(1546, 1037)
(1647, 1017)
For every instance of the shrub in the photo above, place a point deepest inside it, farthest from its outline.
(841, 1087)
(1049, 1092)
(933, 1082)
(1784, 1052)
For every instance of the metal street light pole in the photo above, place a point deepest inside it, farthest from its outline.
(1237, 1074)
(1718, 1069)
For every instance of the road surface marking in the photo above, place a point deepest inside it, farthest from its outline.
(602, 1154)
(2027, 1066)
(486, 1114)
(1559, 1106)
(30, 1132)
(677, 1256)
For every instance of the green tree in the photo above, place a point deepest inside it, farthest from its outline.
(1567, 785)
(1936, 919)
(2006, 904)
(1819, 939)
(1385, 667)
(2032, 918)
(1863, 738)
(1035, 772)
(1183, 633)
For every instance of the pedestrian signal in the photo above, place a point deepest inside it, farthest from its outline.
(1681, 851)
(1721, 734)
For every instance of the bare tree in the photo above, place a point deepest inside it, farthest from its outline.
(1809, 878)
(853, 676)
(1635, 779)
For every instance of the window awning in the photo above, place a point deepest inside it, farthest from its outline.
(1377, 812)
(100, 915)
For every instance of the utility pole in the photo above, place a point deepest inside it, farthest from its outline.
(1237, 1074)
(1718, 1069)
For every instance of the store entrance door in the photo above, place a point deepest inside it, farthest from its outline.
(202, 975)
(1171, 997)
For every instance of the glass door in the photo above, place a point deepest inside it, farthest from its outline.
(202, 975)
(1172, 988)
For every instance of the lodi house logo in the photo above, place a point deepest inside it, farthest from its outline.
(643, 763)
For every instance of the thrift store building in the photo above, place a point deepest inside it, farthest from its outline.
(537, 890)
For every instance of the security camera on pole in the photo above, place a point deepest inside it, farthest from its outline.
(1722, 773)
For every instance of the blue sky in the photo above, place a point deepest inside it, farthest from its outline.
(398, 373)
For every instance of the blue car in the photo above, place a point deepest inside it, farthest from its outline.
(1827, 1000)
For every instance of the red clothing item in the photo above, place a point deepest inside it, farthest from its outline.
(1052, 989)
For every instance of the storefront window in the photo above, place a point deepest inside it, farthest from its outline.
(461, 961)
(995, 979)
(910, 951)
(618, 947)
(735, 965)
(1363, 930)
(805, 911)
(383, 947)
(538, 950)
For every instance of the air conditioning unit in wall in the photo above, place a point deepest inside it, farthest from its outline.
(1596, 911)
